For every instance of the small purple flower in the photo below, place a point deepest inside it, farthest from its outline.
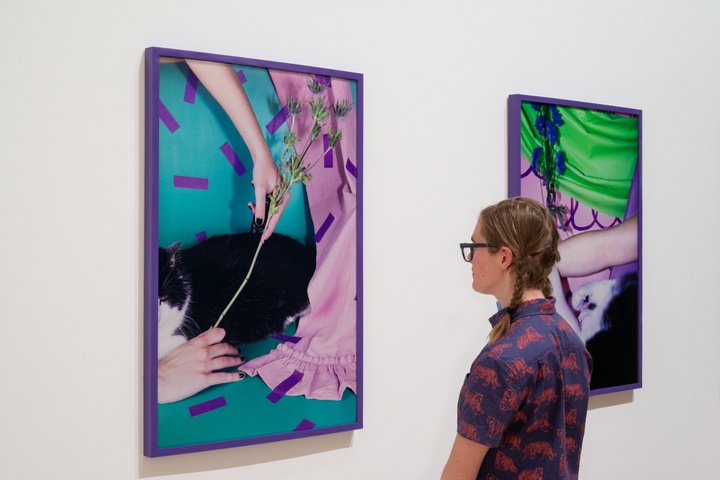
(560, 158)
(540, 125)
(556, 118)
(551, 132)
(536, 157)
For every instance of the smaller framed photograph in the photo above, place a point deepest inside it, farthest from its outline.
(253, 252)
(583, 162)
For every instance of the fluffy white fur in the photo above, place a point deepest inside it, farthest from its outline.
(169, 320)
(592, 299)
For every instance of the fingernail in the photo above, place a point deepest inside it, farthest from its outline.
(259, 222)
(241, 375)
(242, 359)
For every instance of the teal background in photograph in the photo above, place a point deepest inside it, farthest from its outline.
(193, 150)
(248, 413)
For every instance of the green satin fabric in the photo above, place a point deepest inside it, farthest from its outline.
(601, 151)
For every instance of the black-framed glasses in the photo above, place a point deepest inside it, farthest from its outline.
(467, 249)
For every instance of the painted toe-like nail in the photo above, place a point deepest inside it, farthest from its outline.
(241, 375)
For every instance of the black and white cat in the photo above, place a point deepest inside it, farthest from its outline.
(196, 284)
(609, 319)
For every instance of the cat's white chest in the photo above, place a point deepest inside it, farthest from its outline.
(169, 320)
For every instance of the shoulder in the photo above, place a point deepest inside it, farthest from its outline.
(532, 335)
(531, 339)
(505, 361)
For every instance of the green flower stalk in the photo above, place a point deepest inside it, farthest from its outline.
(292, 167)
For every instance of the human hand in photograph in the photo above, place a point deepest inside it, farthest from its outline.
(265, 179)
(223, 84)
(192, 367)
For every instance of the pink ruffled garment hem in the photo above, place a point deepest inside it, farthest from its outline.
(322, 378)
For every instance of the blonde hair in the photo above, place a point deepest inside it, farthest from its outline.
(525, 227)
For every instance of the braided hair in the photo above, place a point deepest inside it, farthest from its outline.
(525, 227)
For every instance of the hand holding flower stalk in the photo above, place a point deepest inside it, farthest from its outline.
(293, 168)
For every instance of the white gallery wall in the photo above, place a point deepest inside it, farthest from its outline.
(437, 76)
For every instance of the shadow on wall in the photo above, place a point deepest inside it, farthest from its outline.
(241, 456)
(611, 399)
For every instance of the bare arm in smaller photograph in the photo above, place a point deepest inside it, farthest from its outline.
(591, 252)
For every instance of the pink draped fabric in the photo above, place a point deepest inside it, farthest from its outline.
(326, 353)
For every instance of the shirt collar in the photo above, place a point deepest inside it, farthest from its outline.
(544, 306)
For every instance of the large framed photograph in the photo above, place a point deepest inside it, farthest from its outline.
(253, 257)
(583, 162)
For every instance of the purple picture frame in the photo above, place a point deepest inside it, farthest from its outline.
(584, 162)
(178, 105)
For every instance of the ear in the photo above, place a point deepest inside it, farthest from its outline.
(171, 252)
(506, 257)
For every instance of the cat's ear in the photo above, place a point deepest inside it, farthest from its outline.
(171, 252)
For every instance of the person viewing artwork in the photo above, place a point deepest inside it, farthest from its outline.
(522, 408)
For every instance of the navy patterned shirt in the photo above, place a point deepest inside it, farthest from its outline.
(526, 397)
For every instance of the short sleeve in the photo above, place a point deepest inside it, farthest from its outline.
(491, 395)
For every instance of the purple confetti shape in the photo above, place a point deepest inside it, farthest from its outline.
(286, 338)
(351, 168)
(208, 406)
(195, 183)
(278, 120)
(324, 227)
(305, 425)
(234, 160)
(285, 386)
(328, 151)
(201, 236)
(323, 80)
(167, 118)
(191, 85)
(241, 76)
